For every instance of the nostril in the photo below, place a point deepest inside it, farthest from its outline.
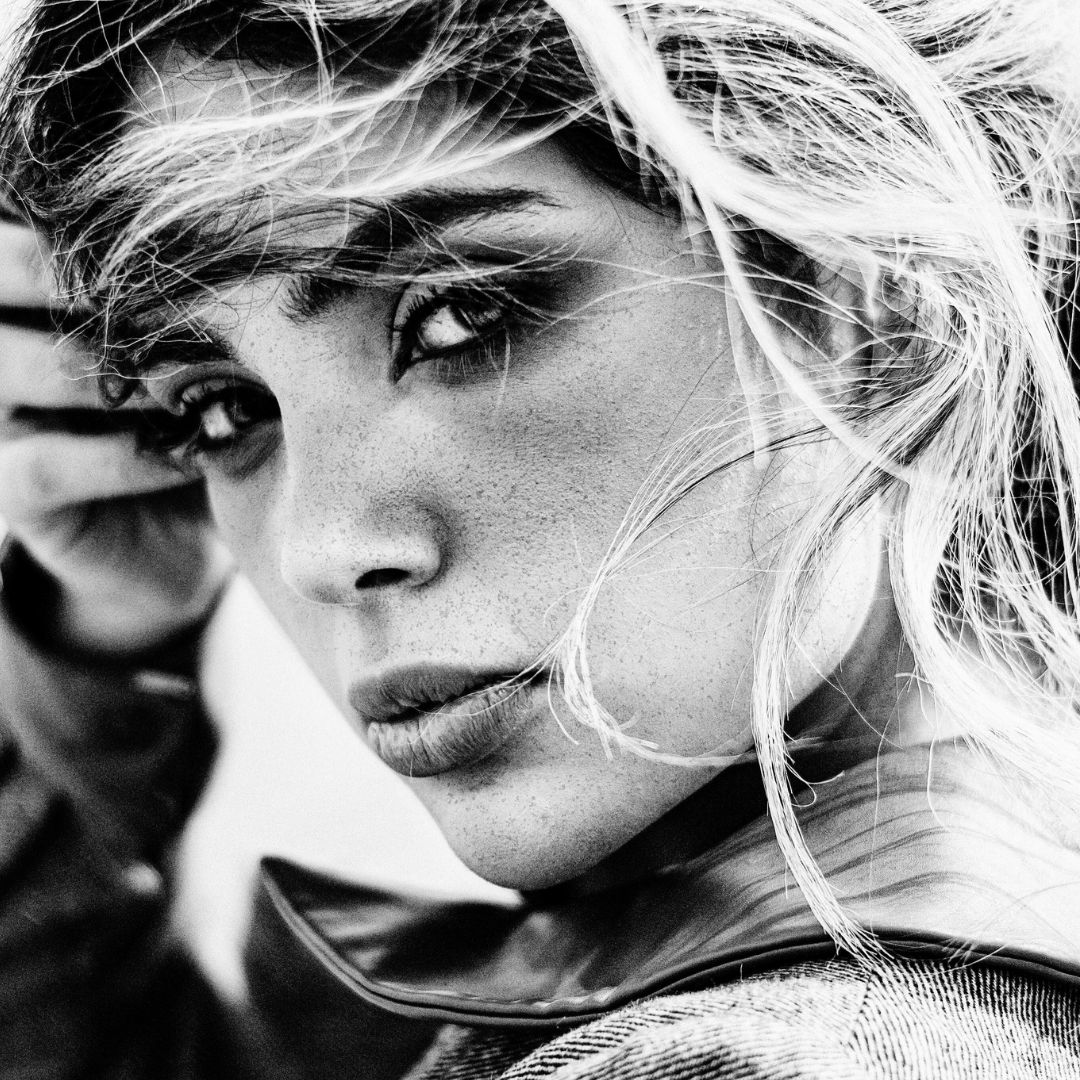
(374, 579)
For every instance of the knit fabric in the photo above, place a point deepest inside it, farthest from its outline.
(815, 1021)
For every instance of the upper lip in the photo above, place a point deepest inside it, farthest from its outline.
(403, 693)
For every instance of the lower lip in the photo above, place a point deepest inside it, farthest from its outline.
(461, 733)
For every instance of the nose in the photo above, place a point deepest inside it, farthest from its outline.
(348, 551)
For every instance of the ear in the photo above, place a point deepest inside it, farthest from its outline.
(802, 350)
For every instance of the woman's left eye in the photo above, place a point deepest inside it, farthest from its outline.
(223, 424)
(463, 334)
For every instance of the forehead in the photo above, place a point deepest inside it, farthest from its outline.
(245, 164)
(267, 173)
(315, 122)
(291, 125)
(304, 154)
(342, 175)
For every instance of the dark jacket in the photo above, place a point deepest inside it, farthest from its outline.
(709, 967)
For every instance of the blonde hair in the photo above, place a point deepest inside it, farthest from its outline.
(924, 150)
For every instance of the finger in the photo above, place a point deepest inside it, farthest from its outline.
(35, 370)
(44, 473)
(25, 280)
(43, 320)
(25, 420)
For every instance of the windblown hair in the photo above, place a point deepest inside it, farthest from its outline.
(923, 150)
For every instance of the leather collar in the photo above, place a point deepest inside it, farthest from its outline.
(922, 846)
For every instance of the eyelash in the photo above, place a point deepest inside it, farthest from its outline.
(491, 313)
(181, 433)
(515, 304)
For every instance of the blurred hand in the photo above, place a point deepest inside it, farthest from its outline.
(124, 534)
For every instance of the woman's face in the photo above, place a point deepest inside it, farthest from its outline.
(422, 476)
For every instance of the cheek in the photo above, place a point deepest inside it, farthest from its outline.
(671, 640)
(578, 431)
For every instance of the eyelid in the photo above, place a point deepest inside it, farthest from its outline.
(167, 388)
(498, 290)
(446, 257)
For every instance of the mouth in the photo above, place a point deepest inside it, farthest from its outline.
(426, 720)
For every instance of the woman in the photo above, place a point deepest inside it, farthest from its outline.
(650, 422)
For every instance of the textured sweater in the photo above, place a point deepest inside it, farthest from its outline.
(815, 1021)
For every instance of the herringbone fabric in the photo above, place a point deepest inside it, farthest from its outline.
(820, 1021)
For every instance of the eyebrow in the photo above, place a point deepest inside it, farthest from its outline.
(205, 347)
(414, 220)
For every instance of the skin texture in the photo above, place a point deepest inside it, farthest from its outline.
(430, 517)
(444, 514)
(493, 502)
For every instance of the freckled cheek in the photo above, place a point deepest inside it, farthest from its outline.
(586, 442)
(547, 487)
(558, 458)
(569, 448)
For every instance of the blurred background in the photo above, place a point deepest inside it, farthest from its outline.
(292, 779)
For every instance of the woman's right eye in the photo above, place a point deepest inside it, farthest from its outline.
(219, 425)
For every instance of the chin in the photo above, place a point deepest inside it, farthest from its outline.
(547, 811)
(530, 840)
(525, 866)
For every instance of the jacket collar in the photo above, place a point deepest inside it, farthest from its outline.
(921, 845)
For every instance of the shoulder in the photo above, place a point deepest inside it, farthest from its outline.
(837, 1020)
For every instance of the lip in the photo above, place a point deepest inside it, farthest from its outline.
(428, 719)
